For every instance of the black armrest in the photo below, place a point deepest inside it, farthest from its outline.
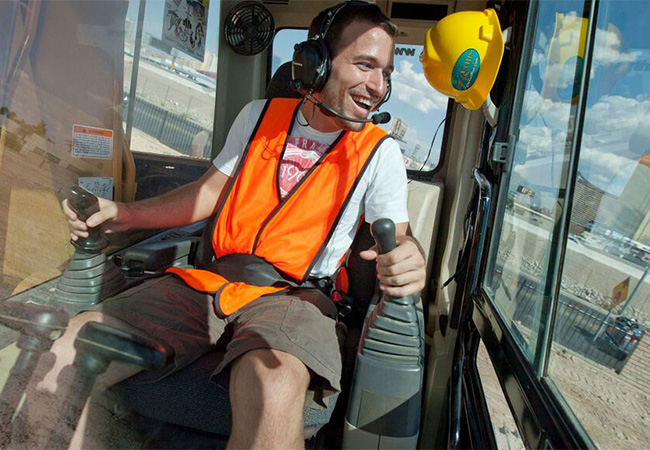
(157, 256)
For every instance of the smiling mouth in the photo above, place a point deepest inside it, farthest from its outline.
(362, 102)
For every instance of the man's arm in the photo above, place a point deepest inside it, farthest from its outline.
(182, 206)
(402, 271)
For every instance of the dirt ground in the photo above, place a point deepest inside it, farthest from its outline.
(614, 412)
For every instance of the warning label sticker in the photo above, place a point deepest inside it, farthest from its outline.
(92, 142)
(100, 186)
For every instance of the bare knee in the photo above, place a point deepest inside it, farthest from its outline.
(267, 393)
(276, 373)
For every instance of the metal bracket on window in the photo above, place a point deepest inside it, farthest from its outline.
(501, 150)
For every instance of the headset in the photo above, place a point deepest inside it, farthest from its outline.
(311, 63)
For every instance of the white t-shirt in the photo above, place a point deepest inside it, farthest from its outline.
(380, 193)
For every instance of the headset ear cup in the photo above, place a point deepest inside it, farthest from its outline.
(324, 68)
(310, 66)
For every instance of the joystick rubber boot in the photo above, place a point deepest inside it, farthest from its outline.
(384, 407)
(90, 276)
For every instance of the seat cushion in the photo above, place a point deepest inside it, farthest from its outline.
(189, 398)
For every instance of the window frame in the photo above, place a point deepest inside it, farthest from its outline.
(540, 411)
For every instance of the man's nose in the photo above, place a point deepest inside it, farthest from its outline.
(377, 83)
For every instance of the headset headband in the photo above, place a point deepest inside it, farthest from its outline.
(327, 23)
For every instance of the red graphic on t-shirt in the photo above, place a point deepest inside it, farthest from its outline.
(300, 155)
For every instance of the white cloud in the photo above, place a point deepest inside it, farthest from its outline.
(536, 140)
(607, 49)
(412, 87)
(614, 134)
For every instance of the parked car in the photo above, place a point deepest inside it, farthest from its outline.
(623, 336)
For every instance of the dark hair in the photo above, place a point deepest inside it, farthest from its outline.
(355, 11)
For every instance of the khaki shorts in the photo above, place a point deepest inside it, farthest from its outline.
(301, 322)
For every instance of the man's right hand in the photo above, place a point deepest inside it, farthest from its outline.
(112, 216)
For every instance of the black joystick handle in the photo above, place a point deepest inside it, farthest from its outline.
(45, 324)
(97, 345)
(383, 231)
(39, 328)
(85, 204)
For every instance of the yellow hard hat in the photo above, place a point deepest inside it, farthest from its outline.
(462, 54)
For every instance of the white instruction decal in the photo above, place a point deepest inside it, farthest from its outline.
(100, 186)
(92, 142)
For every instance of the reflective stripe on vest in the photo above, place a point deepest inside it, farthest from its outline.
(293, 232)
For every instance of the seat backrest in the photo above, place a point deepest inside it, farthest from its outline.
(280, 84)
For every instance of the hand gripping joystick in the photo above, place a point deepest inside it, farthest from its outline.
(39, 327)
(384, 406)
(97, 345)
(90, 277)
(85, 204)
(383, 231)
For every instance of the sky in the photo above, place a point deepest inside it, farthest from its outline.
(617, 122)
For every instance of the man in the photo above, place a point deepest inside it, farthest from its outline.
(282, 346)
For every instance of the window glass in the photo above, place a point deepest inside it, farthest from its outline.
(176, 81)
(520, 253)
(283, 44)
(61, 69)
(65, 94)
(417, 110)
(597, 350)
(600, 354)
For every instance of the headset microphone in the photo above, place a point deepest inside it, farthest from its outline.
(382, 117)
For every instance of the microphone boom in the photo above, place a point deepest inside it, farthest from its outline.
(382, 117)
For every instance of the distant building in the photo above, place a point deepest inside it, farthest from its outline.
(588, 200)
(158, 44)
(398, 129)
(631, 215)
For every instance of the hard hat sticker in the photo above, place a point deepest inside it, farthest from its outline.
(466, 70)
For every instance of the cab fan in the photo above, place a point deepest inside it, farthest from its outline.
(249, 28)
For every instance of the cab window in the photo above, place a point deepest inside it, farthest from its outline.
(568, 263)
(116, 96)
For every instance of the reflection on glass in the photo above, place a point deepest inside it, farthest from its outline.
(58, 66)
(176, 82)
(600, 354)
(521, 274)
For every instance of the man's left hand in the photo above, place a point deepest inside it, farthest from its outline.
(401, 271)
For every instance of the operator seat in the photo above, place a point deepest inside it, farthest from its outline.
(189, 399)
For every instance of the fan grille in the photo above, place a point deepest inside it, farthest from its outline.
(249, 28)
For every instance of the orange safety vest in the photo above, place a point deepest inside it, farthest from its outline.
(291, 233)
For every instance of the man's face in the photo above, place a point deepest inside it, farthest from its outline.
(358, 78)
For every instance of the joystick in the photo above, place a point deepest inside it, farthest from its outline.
(90, 276)
(97, 345)
(39, 327)
(384, 406)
